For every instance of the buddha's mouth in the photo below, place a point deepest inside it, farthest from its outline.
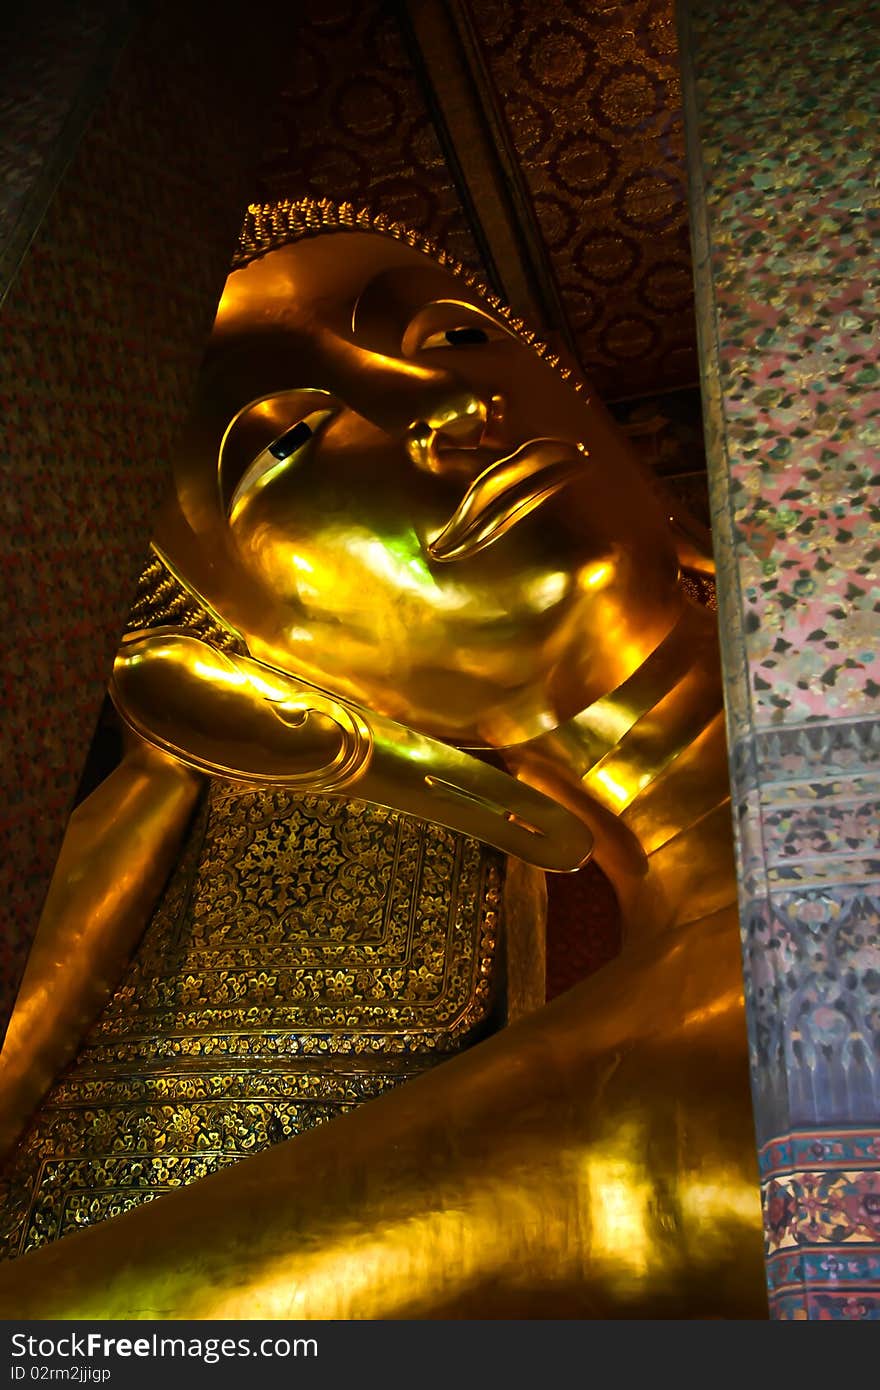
(504, 493)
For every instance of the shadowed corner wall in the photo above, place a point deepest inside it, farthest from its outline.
(151, 114)
(782, 130)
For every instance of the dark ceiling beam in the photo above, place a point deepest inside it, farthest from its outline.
(54, 70)
(448, 61)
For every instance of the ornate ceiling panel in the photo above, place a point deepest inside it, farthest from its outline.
(590, 111)
(352, 124)
(590, 93)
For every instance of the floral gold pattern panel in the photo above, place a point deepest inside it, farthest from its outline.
(308, 954)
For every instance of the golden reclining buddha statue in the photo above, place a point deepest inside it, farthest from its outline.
(427, 574)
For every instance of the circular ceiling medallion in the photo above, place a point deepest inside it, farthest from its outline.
(607, 257)
(328, 167)
(628, 337)
(307, 75)
(651, 199)
(627, 98)
(584, 308)
(666, 286)
(405, 201)
(558, 57)
(660, 32)
(367, 108)
(583, 164)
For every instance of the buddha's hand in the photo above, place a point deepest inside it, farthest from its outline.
(236, 718)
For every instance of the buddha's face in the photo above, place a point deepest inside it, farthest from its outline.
(393, 496)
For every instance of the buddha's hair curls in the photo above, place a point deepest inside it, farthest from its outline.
(269, 226)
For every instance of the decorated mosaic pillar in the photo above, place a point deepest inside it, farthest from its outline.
(782, 129)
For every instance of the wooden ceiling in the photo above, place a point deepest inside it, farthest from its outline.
(537, 140)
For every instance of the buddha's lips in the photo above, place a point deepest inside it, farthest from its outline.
(504, 493)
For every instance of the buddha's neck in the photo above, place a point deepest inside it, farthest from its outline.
(646, 767)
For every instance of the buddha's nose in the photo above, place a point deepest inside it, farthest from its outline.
(439, 413)
(461, 421)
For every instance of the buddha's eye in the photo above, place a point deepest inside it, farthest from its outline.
(291, 441)
(467, 336)
(275, 459)
(455, 336)
(449, 323)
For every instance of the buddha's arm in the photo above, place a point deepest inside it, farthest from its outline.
(594, 1160)
(119, 848)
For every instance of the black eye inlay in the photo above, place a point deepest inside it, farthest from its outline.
(457, 336)
(290, 442)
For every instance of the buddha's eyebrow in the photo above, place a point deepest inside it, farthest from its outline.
(390, 297)
(452, 305)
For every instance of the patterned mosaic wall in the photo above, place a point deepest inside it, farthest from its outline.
(781, 103)
(591, 95)
(102, 333)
